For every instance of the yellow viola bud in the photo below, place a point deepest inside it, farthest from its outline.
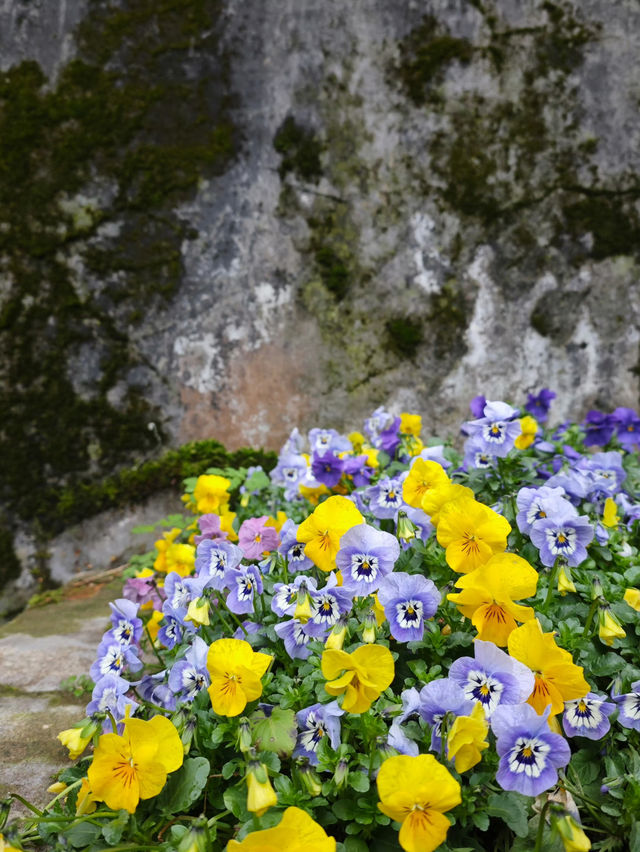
(610, 515)
(529, 428)
(573, 837)
(260, 794)
(565, 581)
(610, 628)
(196, 839)
(336, 638)
(57, 787)
(406, 528)
(369, 628)
(73, 740)
(632, 597)
(198, 611)
(303, 609)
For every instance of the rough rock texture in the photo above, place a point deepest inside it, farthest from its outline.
(38, 650)
(230, 217)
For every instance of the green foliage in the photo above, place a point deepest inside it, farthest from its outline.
(300, 150)
(405, 335)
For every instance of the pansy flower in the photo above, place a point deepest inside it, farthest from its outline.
(290, 471)
(566, 535)
(376, 423)
(423, 476)
(629, 707)
(408, 600)
(109, 695)
(330, 602)
(172, 626)
(327, 468)
(243, 582)
(257, 537)
(314, 723)
(439, 697)
(127, 627)
(385, 497)
(322, 530)
(360, 676)
(155, 689)
(189, 675)
(295, 832)
(397, 738)
(178, 594)
(471, 533)
(297, 634)
(210, 529)
(627, 428)
(235, 670)
(114, 658)
(538, 405)
(497, 430)
(492, 677)
(537, 504)
(530, 754)
(365, 557)
(284, 599)
(587, 717)
(328, 440)
(292, 549)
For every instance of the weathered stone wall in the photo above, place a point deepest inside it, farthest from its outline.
(229, 217)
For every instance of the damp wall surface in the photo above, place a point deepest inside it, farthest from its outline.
(220, 219)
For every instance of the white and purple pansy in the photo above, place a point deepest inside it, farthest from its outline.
(329, 602)
(385, 497)
(566, 535)
(215, 557)
(408, 600)
(629, 707)
(189, 676)
(437, 698)
(315, 723)
(365, 557)
(243, 583)
(492, 677)
(127, 627)
(297, 634)
(587, 717)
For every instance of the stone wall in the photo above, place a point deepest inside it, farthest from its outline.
(229, 217)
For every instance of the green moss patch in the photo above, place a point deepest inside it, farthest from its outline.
(300, 150)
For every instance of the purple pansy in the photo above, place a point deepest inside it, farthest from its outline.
(397, 738)
(497, 430)
(292, 549)
(605, 473)
(127, 627)
(374, 425)
(536, 504)
(599, 428)
(390, 437)
(243, 582)
(189, 675)
(114, 658)
(492, 677)
(214, 558)
(356, 467)
(178, 593)
(109, 695)
(296, 635)
(327, 468)
(290, 472)
(476, 454)
(328, 440)
(439, 697)
(566, 535)
(142, 590)
(476, 406)
(629, 707)
(330, 602)
(210, 528)
(587, 717)
(173, 626)
(154, 688)
(314, 723)
(385, 497)
(285, 598)
(530, 754)
(366, 555)
(408, 601)
(627, 428)
(538, 405)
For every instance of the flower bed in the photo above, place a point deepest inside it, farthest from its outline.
(381, 644)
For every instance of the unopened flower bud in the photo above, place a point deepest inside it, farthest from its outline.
(406, 529)
(573, 837)
(596, 588)
(310, 780)
(244, 735)
(260, 794)
(303, 610)
(610, 628)
(197, 838)
(369, 628)
(341, 772)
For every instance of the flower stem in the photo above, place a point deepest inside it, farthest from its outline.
(552, 581)
(27, 804)
(591, 613)
(540, 832)
(234, 617)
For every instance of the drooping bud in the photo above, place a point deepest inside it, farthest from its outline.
(406, 529)
(260, 794)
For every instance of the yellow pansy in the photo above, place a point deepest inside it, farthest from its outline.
(260, 794)
(153, 625)
(211, 494)
(358, 441)
(487, 596)
(162, 545)
(323, 529)
(411, 424)
(4, 846)
(85, 800)
(467, 739)
(235, 670)
(632, 597)
(610, 516)
(135, 765)
(471, 533)
(73, 740)
(423, 475)
(557, 678)
(360, 676)
(436, 498)
(417, 792)
(180, 558)
(313, 493)
(529, 430)
(296, 832)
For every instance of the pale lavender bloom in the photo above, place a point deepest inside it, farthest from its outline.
(189, 675)
(173, 626)
(530, 754)
(294, 443)
(385, 497)
(285, 599)
(574, 482)
(210, 529)
(374, 425)
(296, 635)
(178, 593)
(243, 582)
(127, 627)
(155, 689)
(492, 677)
(397, 738)
(476, 454)
(439, 697)
(605, 473)
(627, 428)
(316, 722)
(497, 431)
(629, 706)
(328, 440)
(535, 504)
(435, 454)
(109, 695)
(587, 717)
(566, 535)
(366, 555)
(290, 472)
(408, 601)
(330, 602)
(214, 558)
(256, 537)
(292, 549)
(114, 658)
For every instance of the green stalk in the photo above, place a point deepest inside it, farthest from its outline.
(540, 832)
(552, 581)
(234, 617)
(591, 613)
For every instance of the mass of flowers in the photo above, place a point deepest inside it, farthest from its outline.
(387, 641)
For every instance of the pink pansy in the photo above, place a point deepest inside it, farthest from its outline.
(256, 539)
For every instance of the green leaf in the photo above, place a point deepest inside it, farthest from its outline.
(275, 732)
(257, 481)
(82, 834)
(112, 831)
(184, 786)
(235, 800)
(355, 844)
(512, 808)
(345, 809)
(359, 781)
(481, 820)
(143, 528)
(634, 838)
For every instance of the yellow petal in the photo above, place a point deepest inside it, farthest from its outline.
(423, 831)
(170, 751)
(378, 664)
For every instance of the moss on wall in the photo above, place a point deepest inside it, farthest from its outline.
(300, 150)
(91, 169)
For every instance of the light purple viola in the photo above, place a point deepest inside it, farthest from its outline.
(329, 602)
(574, 482)
(629, 707)
(408, 600)
(530, 754)
(155, 689)
(256, 537)
(397, 738)
(492, 677)
(314, 723)
(127, 627)
(605, 473)
(109, 695)
(294, 443)
(210, 528)
(476, 406)
(627, 428)
(285, 598)
(214, 558)
(189, 676)
(385, 497)
(497, 430)
(476, 455)
(172, 626)
(390, 437)
(328, 440)
(366, 555)
(435, 454)
(243, 582)
(289, 472)
(356, 467)
(374, 425)
(178, 593)
(587, 717)
(599, 428)
(296, 636)
(439, 697)
(566, 535)
(292, 549)
(114, 658)
(536, 504)
(538, 405)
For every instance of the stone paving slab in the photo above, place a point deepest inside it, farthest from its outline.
(38, 649)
